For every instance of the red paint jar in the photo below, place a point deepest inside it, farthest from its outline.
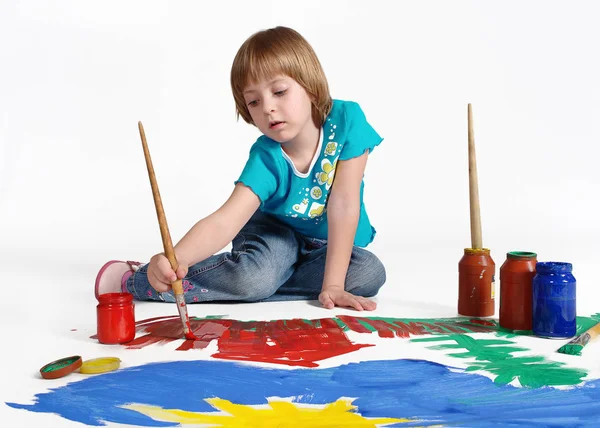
(116, 318)
(516, 292)
(476, 293)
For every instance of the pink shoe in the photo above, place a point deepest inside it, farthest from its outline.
(113, 276)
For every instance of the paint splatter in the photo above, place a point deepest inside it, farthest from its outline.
(426, 393)
(303, 343)
(295, 342)
(337, 414)
(292, 342)
(496, 357)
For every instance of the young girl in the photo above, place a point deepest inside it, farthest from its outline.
(295, 218)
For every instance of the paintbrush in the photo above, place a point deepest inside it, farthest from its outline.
(166, 238)
(575, 346)
(476, 241)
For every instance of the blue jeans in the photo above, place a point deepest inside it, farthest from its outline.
(268, 261)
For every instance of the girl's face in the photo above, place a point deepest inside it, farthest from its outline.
(279, 107)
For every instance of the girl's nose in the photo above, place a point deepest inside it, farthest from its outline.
(268, 106)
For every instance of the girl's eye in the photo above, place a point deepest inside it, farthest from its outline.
(280, 93)
(253, 103)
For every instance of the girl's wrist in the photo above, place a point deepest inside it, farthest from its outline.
(182, 257)
(331, 287)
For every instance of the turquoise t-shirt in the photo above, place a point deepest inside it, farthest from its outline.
(300, 199)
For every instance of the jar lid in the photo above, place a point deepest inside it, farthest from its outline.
(553, 267)
(100, 365)
(476, 251)
(115, 298)
(60, 368)
(521, 254)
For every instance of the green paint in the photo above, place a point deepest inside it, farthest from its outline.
(495, 357)
(583, 323)
(208, 317)
(571, 349)
(460, 323)
(341, 324)
(316, 323)
(57, 365)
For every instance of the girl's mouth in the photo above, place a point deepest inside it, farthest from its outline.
(276, 124)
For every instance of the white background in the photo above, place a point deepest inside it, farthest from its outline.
(75, 78)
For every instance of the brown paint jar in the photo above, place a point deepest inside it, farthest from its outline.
(516, 290)
(476, 293)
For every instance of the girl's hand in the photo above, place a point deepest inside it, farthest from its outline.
(335, 296)
(161, 275)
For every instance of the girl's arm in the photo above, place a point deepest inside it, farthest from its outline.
(343, 211)
(217, 230)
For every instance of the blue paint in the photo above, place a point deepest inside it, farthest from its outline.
(554, 300)
(428, 392)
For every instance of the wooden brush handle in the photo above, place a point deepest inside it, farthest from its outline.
(476, 241)
(160, 212)
(594, 331)
(587, 336)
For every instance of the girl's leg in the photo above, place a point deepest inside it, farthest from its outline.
(261, 260)
(366, 273)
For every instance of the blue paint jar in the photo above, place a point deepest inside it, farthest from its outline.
(554, 307)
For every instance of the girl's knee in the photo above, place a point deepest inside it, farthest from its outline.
(258, 286)
(367, 277)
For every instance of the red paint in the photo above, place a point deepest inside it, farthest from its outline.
(295, 342)
(414, 328)
(516, 290)
(448, 328)
(404, 330)
(163, 330)
(482, 322)
(353, 324)
(384, 329)
(189, 334)
(115, 318)
(476, 293)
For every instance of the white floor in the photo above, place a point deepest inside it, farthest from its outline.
(78, 76)
(49, 312)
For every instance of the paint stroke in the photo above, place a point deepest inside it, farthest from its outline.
(338, 414)
(294, 342)
(302, 343)
(496, 357)
(423, 392)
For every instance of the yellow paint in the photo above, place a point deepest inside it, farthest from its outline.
(278, 414)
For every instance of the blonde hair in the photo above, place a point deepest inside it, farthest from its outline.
(280, 50)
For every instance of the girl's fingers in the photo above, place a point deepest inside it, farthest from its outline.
(158, 284)
(166, 274)
(181, 271)
(355, 304)
(326, 301)
(367, 304)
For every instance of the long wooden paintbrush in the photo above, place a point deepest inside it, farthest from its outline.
(476, 241)
(166, 238)
(575, 346)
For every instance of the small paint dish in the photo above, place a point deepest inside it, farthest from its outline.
(100, 365)
(61, 368)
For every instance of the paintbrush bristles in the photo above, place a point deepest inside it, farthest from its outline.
(571, 349)
(575, 346)
(160, 212)
(476, 240)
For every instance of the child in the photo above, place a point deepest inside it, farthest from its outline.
(296, 217)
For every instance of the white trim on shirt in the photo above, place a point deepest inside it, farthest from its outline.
(312, 163)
